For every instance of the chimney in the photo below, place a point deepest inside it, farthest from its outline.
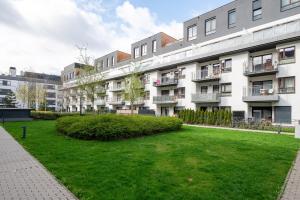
(12, 71)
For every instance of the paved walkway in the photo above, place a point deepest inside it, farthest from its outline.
(23, 177)
(292, 187)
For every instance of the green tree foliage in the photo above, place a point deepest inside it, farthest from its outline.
(10, 100)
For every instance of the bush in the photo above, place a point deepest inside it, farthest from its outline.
(48, 115)
(112, 127)
(217, 118)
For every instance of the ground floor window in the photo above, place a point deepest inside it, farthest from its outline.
(260, 114)
(283, 114)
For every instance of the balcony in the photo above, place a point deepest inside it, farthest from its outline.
(206, 98)
(205, 76)
(260, 70)
(164, 99)
(258, 94)
(116, 101)
(100, 102)
(117, 88)
(165, 82)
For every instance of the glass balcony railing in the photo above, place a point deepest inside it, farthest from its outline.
(260, 69)
(206, 98)
(260, 94)
(165, 81)
(164, 99)
(206, 75)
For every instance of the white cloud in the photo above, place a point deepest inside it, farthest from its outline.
(41, 35)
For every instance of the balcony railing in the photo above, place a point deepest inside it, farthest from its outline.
(260, 69)
(258, 94)
(288, 90)
(116, 101)
(100, 102)
(164, 99)
(117, 88)
(205, 75)
(206, 98)
(165, 82)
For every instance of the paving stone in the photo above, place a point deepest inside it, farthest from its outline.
(22, 177)
(292, 188)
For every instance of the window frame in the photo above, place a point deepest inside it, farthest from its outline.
(154, 46)
(211, 31)
(224, 92)
(284, 58)
(194, 32)
(283, 90)
(112, 61)
(256, 17)
(289, 6)
(230, 12)
(144, 49)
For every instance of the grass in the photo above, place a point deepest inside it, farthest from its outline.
(194, 163)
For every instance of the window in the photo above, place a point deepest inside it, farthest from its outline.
(51, 95)
(180, 93)
(144, 49)
(227, 65)
(100, 65)
(262, 63)
(51, 102)
(257, 10)
(231, 18)
(192, 32)
(181, 73)
(112, 61)
(147, 95)
(154, 46)
(107, 62)
(287, 54)
(136, 52)
(49, 87)
(286, 85)
(210, 26)
(5, 91)
(215, 89)
(288, 4)
(226, 89)
(283, 114)
(4, 83)
(204, 89)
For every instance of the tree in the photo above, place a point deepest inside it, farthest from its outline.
(10, 100)
(40, 97)
(22, 94)
(90, 80)
(133, 89)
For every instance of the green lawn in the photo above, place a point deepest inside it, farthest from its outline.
(195, 163)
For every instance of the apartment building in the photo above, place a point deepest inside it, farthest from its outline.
(243, 56)
(50, 83)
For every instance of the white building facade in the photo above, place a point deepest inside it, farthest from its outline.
(249, 62)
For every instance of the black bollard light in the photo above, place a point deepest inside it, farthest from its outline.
(24, 132)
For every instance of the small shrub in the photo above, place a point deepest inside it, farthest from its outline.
(48, 115)
(112, 127)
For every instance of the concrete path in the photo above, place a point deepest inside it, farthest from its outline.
(238, 129)
(292, 187)
(23, 177)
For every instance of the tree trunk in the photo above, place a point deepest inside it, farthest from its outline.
(131, 107)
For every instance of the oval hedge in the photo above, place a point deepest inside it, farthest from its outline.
(112, 127)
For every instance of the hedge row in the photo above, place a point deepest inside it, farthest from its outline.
(218, 118)
(112, 127)
(48, 115)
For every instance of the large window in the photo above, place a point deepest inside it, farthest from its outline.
(287, 53)
(180, 93)
(288, 4)
(204, 89)
(4, 83)
(227, 65)
(286, 85)
(192, 32)
(226, 89)
(283, 114)
(262, 63)
(144, 49)
(257, 10)
(51, 95)
(231, 18)
(4, 91)
(210, 26)
(136, 52)
(107, 62)
(112, 61)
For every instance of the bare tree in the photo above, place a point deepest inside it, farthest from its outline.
(90, 80)
(134, 89)
(22, 94)
(40, 96)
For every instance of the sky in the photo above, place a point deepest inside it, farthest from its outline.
(43, 36)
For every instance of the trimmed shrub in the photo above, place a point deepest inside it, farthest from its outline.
(112, 127)
(48, 115)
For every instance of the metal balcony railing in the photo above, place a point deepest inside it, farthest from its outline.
(260, 94)
(206, 98)
(164, 99)
(260, 69)
(165, 81)
(206, 75)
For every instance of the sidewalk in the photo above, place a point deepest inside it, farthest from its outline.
(292, 187)
(238, 129)
(23, 177)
